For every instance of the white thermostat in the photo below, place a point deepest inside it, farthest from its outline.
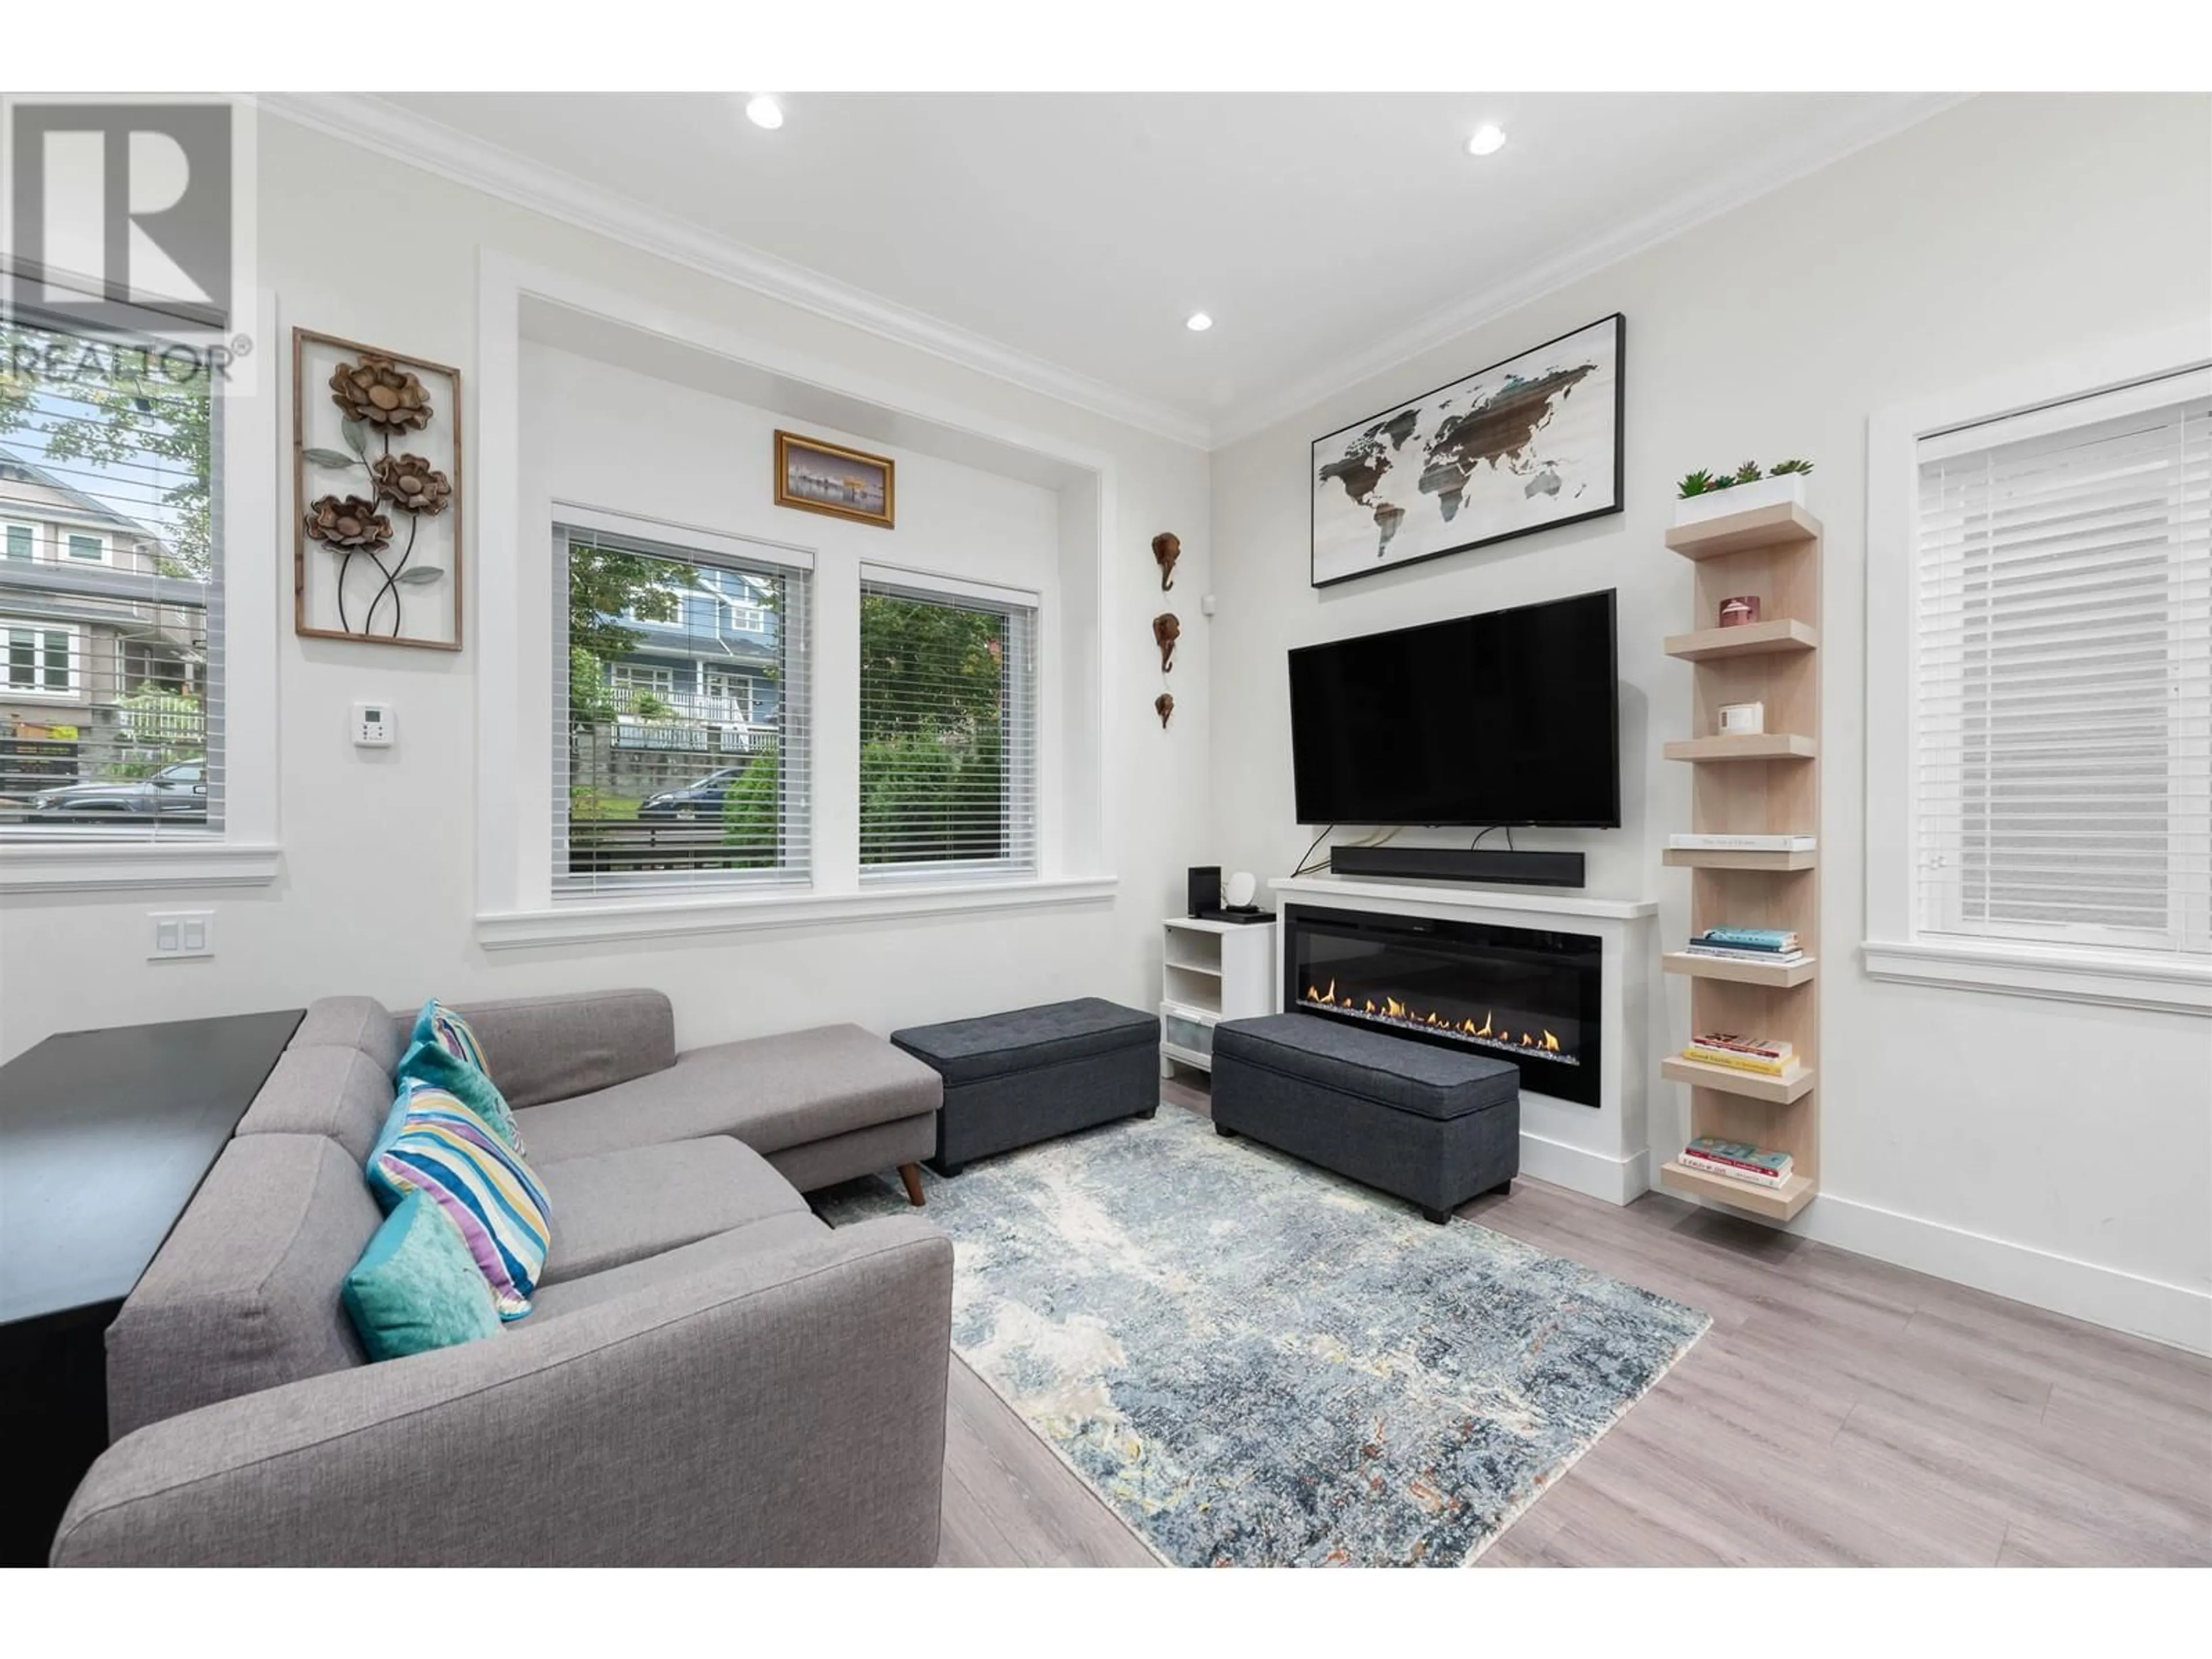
(373, 725)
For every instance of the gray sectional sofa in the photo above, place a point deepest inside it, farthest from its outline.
(709, 1373)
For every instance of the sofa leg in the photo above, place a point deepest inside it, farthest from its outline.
(911, 1174)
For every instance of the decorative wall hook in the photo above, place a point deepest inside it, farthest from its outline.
(1164, 705)
(1167, 547)
(1167, 628)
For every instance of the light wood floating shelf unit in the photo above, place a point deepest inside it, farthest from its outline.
(1757, 746)
(1778, 1205)
(1725, 857)
(1758, 530)
(1768, 784)
(1758, 639)
(1784, 974)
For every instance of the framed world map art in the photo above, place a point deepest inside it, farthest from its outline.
(1526, 445)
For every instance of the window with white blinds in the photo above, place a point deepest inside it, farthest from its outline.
(111, 596)
(682, 758)
(2063, 695)
(948, 730)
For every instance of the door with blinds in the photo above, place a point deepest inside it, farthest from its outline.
(2063, 701)
(110, 597)
(948, 729)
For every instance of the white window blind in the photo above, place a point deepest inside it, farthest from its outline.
(948, 730)
(2063, 697)
(110, 598)
(665, 777)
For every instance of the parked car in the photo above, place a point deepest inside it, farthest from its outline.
(176, 793)
(701, 800)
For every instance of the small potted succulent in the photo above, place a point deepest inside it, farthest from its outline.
(1703, 495)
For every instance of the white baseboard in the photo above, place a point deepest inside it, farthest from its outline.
(2173, 1313)
(1595, 1174)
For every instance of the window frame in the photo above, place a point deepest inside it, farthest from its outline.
(796, 873)
(247, 460)
(74, 691)
(1895, 946)
(1021, 789)
(65, 548)
(29, 527)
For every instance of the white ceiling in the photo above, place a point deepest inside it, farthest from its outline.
(1061, 239)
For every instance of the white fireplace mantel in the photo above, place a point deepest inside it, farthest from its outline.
(1603, 1150)
(1446, 896)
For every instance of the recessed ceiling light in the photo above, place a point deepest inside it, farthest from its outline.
(1198, 322)
(765, 112)
(1488, 140)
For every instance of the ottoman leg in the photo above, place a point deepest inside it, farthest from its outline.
(911, 1174)
(1225, 1131)
(1503, 1189)
(948, 1170)
(1440, 1217)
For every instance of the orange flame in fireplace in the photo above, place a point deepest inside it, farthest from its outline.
(1392, 1008)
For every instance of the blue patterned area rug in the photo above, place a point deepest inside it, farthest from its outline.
(1256, 1364)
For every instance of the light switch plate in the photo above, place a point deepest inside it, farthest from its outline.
(181, 934)
(375, 725)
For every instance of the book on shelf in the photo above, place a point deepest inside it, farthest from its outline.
(1747, 1154)
(1751, 939)
(1693, 842)
(1734, 1172)
(1723, 953)
(1787, 1070)
(1748, 1175)
(1757, 1047)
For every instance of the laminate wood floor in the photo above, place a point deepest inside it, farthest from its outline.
(1840, 1411)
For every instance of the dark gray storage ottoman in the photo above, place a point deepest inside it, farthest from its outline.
(1014, 1079)
(1412, 1118)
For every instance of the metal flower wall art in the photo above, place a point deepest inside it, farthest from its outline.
(377, 471)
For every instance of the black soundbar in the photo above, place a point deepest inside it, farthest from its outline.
(1459, 863)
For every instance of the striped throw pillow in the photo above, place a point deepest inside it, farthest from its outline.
(434, 1144)
(439, 1025)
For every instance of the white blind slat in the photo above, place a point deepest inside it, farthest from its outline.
(2062, 698)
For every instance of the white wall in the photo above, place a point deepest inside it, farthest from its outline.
(2055, 1152)
(378, 886)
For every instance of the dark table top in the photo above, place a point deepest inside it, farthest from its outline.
(103, 1139)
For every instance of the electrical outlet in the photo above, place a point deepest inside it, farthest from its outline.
(180, 935)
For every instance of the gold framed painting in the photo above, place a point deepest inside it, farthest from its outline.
(816, 477)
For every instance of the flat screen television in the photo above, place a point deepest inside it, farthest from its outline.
(1508, 717)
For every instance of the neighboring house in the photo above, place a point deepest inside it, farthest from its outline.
(87, 618)
(713, 665)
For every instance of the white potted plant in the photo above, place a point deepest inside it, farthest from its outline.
(1703, 495)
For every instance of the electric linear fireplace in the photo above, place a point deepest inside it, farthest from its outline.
(1524, 994)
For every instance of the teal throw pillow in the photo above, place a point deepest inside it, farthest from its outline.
(417, 1287)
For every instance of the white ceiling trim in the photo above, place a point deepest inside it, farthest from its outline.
(373, 124)
(1820, 144)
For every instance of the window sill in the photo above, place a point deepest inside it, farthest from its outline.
(84, 867)
(2117, 980)
(597, 923)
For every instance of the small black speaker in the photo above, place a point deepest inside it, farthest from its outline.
(1205, 888)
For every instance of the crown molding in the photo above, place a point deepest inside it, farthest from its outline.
(371, 123)
(1819, 145)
